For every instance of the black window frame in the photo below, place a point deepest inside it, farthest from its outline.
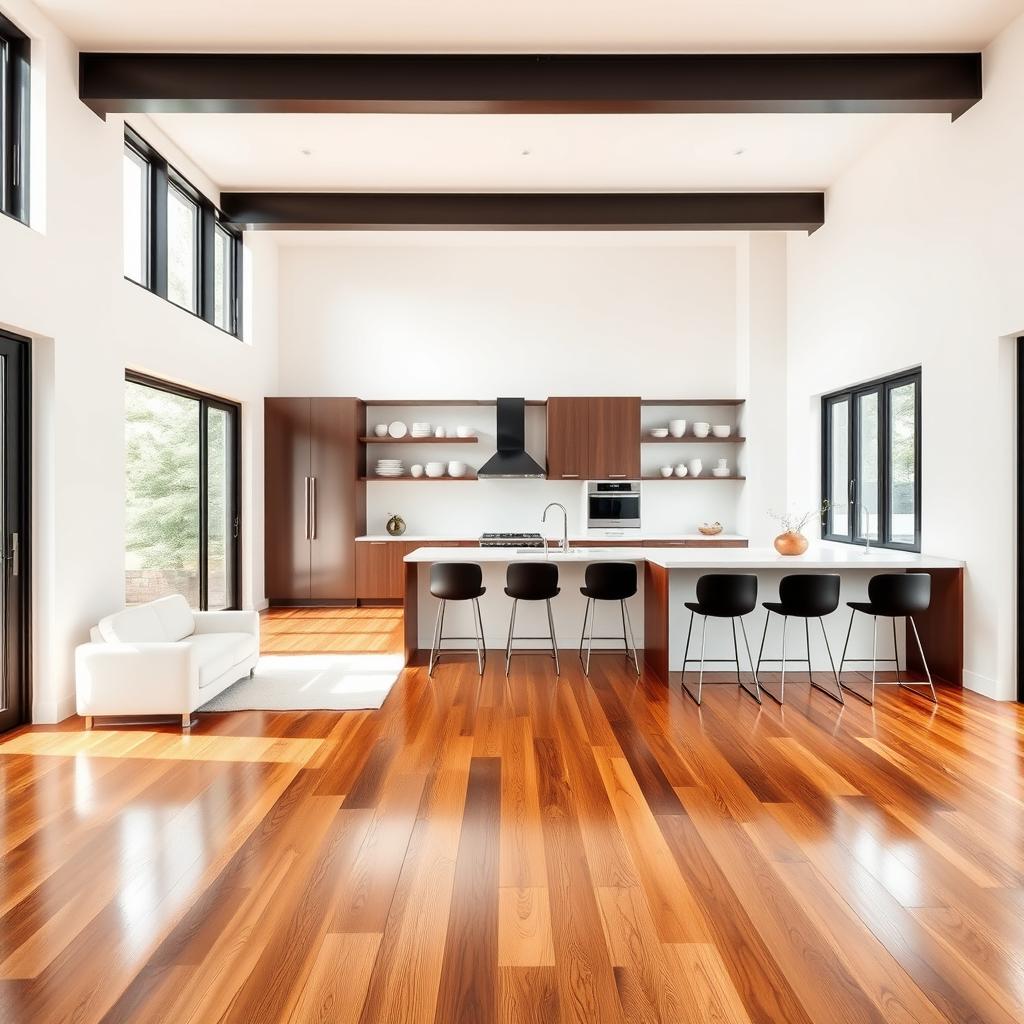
(15, 91)
(161, 177)
(883, 388)
(206, 402)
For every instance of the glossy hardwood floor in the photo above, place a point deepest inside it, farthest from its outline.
(330, 630)
(522, 850)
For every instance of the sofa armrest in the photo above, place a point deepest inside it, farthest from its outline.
(143, 678)
(227, 622)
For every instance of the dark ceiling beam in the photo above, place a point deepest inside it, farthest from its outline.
(123, 83)
(526, 211)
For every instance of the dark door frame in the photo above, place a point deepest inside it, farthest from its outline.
(207, 402)
(17, 624)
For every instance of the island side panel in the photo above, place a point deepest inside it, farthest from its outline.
(656, 626)
(410, 613)
(941, 628)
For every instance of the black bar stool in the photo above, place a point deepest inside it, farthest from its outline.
(531, 581)
(609, 581)
(892, 596)
(722, 596)
(457, 581)
(806, 596)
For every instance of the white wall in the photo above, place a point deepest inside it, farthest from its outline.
(920, 262)
(538, 315)
(61, 284)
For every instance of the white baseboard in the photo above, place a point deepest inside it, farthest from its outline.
(987, 687)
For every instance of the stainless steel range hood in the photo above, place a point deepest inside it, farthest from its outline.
(511, 460)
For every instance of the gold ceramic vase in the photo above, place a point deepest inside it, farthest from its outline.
(791, 543)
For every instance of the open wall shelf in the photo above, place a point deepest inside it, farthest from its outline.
(691, 439)
(420, 440)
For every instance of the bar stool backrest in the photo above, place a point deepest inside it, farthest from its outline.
(900, 593)
(456, 581)
(611, 581)
(531, 581)
(810, 595)
(726, 594)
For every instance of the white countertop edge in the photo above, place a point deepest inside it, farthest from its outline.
(702, 558)
(575, 538)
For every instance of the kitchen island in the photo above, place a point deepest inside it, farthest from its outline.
(667, 577)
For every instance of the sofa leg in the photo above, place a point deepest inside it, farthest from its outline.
(88, 721)
(252, 672)
(186, 722)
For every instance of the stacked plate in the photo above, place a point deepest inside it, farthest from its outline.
(421, 430)
(390, 467)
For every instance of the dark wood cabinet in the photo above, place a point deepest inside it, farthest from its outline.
(568, 440)
(314, 500)
(614, 438)
(593, 438)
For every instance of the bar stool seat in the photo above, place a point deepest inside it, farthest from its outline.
(892, 596)
(531, 581)
(722, 596)
(803, 596)
(609, 581)
(457, 581)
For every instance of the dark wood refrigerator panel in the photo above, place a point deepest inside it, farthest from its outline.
(287, 471)
(338, 503)
(614, 438)
(568, 438)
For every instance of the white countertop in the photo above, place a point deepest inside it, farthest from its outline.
(818, 557)
(575, 538)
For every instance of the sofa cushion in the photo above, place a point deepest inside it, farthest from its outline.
(215, 653)
(175, 617)
(137, 625)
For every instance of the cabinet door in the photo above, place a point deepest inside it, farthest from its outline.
(337, 497)
(614, 438)
(568, 438)
(286, 453)
(380, 570)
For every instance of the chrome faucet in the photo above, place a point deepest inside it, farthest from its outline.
(565, 524)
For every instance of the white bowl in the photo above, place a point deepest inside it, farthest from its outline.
(701, 429)
(457, 469)
(717, 471)
(659, 432)
(681, 470)
(398, 429)
(434, 469)
(666, 471)
(677, 427)
(722, 430)
(416, 470)
(381, 430)
(440, 432)
(463, 431)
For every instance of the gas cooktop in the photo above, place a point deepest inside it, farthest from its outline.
(511, 540)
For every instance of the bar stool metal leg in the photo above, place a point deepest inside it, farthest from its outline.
(511, 633)
(632, 643)
(736, 652)
(838, 695)
(927, 671)
(700, 679)
(756, 694)
(782, 685)
(554, 644)
(583, 634)
(481, 654)
(435, 647)
(590, 640)
(842, 660)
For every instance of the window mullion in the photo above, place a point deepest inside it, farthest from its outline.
(158, 228)
(207, 258)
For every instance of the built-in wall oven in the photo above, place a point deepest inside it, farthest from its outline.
(613, 503)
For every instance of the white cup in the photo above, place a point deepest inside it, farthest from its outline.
(416, 470)
(723, 463)
(701, 429)
(666, 471)
(381, 430)
(695, 467)
(440, 432)
(677, 427)
(681, 470)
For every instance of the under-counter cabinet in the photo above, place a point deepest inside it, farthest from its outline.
(380, 575)
(593, 438)
(314, 503)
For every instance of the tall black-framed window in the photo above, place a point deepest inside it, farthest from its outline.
(177, 244)
(871, 462)
(15, 51)
(183, 495)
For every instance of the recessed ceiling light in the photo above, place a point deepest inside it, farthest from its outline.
(306, 152)
(525, 152)
(738, 152)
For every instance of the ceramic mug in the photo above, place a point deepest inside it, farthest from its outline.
(695, 466)
(416, 470)
(701, 429)
(677, 427)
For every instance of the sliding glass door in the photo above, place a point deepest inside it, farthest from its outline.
(182, 486)
(14, 519)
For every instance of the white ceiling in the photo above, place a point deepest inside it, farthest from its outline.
(534, 25)
(469, 152)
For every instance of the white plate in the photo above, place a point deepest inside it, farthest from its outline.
(398, 429)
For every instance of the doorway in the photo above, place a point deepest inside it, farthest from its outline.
(15, 702)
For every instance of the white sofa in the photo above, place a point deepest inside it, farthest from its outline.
(162, 658)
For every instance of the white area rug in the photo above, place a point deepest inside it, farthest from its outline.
(312, 682)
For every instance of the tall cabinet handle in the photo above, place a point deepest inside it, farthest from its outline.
(306, 498)
(312, 513)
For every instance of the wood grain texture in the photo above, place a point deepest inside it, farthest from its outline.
(524, 850)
